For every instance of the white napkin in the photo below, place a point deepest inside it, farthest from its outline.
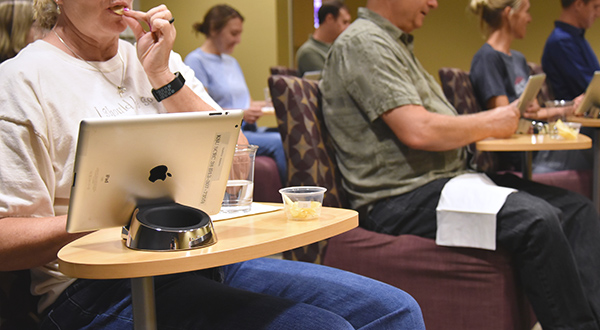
(466, 212)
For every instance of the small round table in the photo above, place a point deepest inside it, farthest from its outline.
(533, 142)
(103, 254)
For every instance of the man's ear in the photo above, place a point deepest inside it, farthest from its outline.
(507, 11)
(329, 18)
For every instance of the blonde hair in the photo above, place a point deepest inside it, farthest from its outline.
(45, 13)
(490, 12)
(16, 19)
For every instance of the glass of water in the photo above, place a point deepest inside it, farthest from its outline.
(240, 186)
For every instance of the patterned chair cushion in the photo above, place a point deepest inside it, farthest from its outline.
(459, 91)
(284, 70)
(311, 158)
(310, 154)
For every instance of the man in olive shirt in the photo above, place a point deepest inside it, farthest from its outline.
(399, 141)
(334, 18)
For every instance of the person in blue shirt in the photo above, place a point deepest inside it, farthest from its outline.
(224, 80)
(568, 60)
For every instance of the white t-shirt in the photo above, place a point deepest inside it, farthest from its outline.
(44, 94)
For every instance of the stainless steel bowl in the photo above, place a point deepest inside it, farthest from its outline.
(168, 227)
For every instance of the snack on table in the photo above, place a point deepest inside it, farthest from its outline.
(119, 10)
(303, 202)
(302, 210)
(566, 131)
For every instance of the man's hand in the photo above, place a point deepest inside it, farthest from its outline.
(504, 120)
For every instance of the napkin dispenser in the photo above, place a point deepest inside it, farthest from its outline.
(168, 227)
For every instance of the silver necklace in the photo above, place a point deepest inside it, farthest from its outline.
(120, 88)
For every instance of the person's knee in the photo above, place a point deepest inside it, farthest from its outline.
(307, 317)
(546, 227)
(403, 311)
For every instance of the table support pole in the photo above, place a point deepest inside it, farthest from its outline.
(527, 164)
(596, 169)
(144, 307)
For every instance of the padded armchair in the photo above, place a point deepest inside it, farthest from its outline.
(457, 288)
(459, 91)
(284, 70)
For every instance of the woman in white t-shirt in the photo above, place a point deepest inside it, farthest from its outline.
(81, 69)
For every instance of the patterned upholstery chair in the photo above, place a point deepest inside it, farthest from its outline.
(457, 288)
(284, 70)
(459, 91)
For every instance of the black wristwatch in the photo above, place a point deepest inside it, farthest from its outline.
(169, 89)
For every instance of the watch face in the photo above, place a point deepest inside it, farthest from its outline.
(169, 89)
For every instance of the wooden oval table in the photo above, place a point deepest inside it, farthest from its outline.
(103, 254)
(533, 142)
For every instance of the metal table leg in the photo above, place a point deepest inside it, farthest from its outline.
(144, 307)
(596, 169)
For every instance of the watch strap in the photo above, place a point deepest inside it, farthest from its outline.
(169, 89)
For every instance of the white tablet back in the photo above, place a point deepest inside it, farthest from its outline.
(124, 162)
(534, 84)
(592, 95)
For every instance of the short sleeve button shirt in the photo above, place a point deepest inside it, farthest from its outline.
(370, 70)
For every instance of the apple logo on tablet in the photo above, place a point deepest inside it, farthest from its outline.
(159, 172)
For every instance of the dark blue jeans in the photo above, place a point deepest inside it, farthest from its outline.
(256, 294)
(553, 235)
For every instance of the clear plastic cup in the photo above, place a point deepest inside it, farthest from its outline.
(240, 186)
(302, 203)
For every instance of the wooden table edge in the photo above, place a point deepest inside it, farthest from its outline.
(585, 122)
(582, 142)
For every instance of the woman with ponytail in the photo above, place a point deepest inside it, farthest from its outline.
(223, 78)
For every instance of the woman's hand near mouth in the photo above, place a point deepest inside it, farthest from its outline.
(154, 46)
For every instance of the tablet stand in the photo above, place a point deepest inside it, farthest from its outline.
(162, 227)
(169, 227)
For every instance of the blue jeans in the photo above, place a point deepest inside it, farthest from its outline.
(269, 144)
(257, 294)
(552, 234)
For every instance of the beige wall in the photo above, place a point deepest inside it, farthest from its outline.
(258, 49)
(449, 37)
(451, 34)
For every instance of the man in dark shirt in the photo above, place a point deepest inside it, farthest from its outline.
(568, 60)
